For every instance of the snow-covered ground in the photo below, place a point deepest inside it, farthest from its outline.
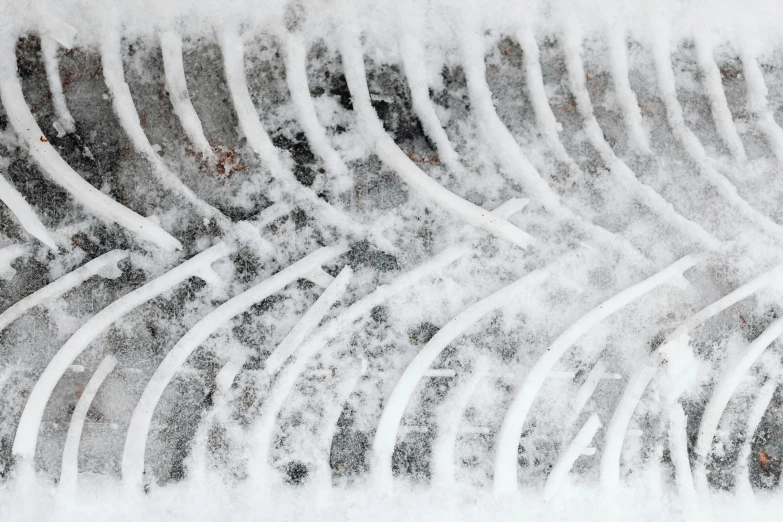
(351, 260)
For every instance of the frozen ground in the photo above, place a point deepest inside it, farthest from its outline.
(331, 261)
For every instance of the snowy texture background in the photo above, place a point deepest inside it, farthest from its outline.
(340, 260)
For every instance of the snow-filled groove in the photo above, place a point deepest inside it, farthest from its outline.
(136, 441)
(69, 473)
(26, 437)
(61, 173)
(378, 260)
(505, 477)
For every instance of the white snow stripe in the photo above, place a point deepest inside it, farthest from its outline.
(535, 84)
(136, 440)
(30, 422)
(296, 76)
(25, 214)
(713, 87)
(450, 418)
(757, 101)
(308, 322)
(49, 48)
(174, 69)
(757, 411)
(124, 108)
(513, 423)
(58, 170)
(724, 389)
(674, 344)
(586, 390)
(395, 158)
(572, 48)
(386, 431)
(626, 98)
(678, 448)
(105, 264)
(69, 472)
(577, 448)
(666, 86)
(8, 255)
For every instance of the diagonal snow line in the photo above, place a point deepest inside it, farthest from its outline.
(136, 440)
(395, 158)
(565, 461)
(69, 472)
(296, 76)
(413, 67)
(572, 49)
(57, 169)
(508, 151)
(535, 84)
(724, 389)
(714, 89)
(586, 390)
(757, 101)
(756, 414)
(8, 255)
(667, 90)
(308, 322)
(678, 448)
(626, 98)
(232, 47)
(105, 264)
(174, 69)
(30, 422)
(505, 476)
(386, 431)
(25, 214)
(673, 346)
(49, 48)
(451, 413)
(122, 101)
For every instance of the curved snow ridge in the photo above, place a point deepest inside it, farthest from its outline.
(388, 425)
(136, 440)
(26, 437)
(505, 476)
(25, 214)
(176, 84)
(105, 266)
(57, 169)
(757, 101)
(395, 158)
(49, 48)
(722, 393)
(675, 348)
(69, 472)
(577, 448)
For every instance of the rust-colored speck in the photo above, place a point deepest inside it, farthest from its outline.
(764, 460)
(44, 140)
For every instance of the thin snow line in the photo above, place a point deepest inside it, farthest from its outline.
(25, 214)
(714, 88)
(678, 448)
(105, 266)
(57, 169)
(505, 476)
(174, 69)
(30, 421)
(666, 86)
(722, 393)
(572, 49)
(49, 48)
(674, 347)
(577, 448)
(757, 101)
(124, 108)
(69, 472)
(136, 439)
(392, 155)
(386, 431)
(626, 98)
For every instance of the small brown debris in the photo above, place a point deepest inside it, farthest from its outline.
(742, 318)
(764, 460)
(44, 140)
